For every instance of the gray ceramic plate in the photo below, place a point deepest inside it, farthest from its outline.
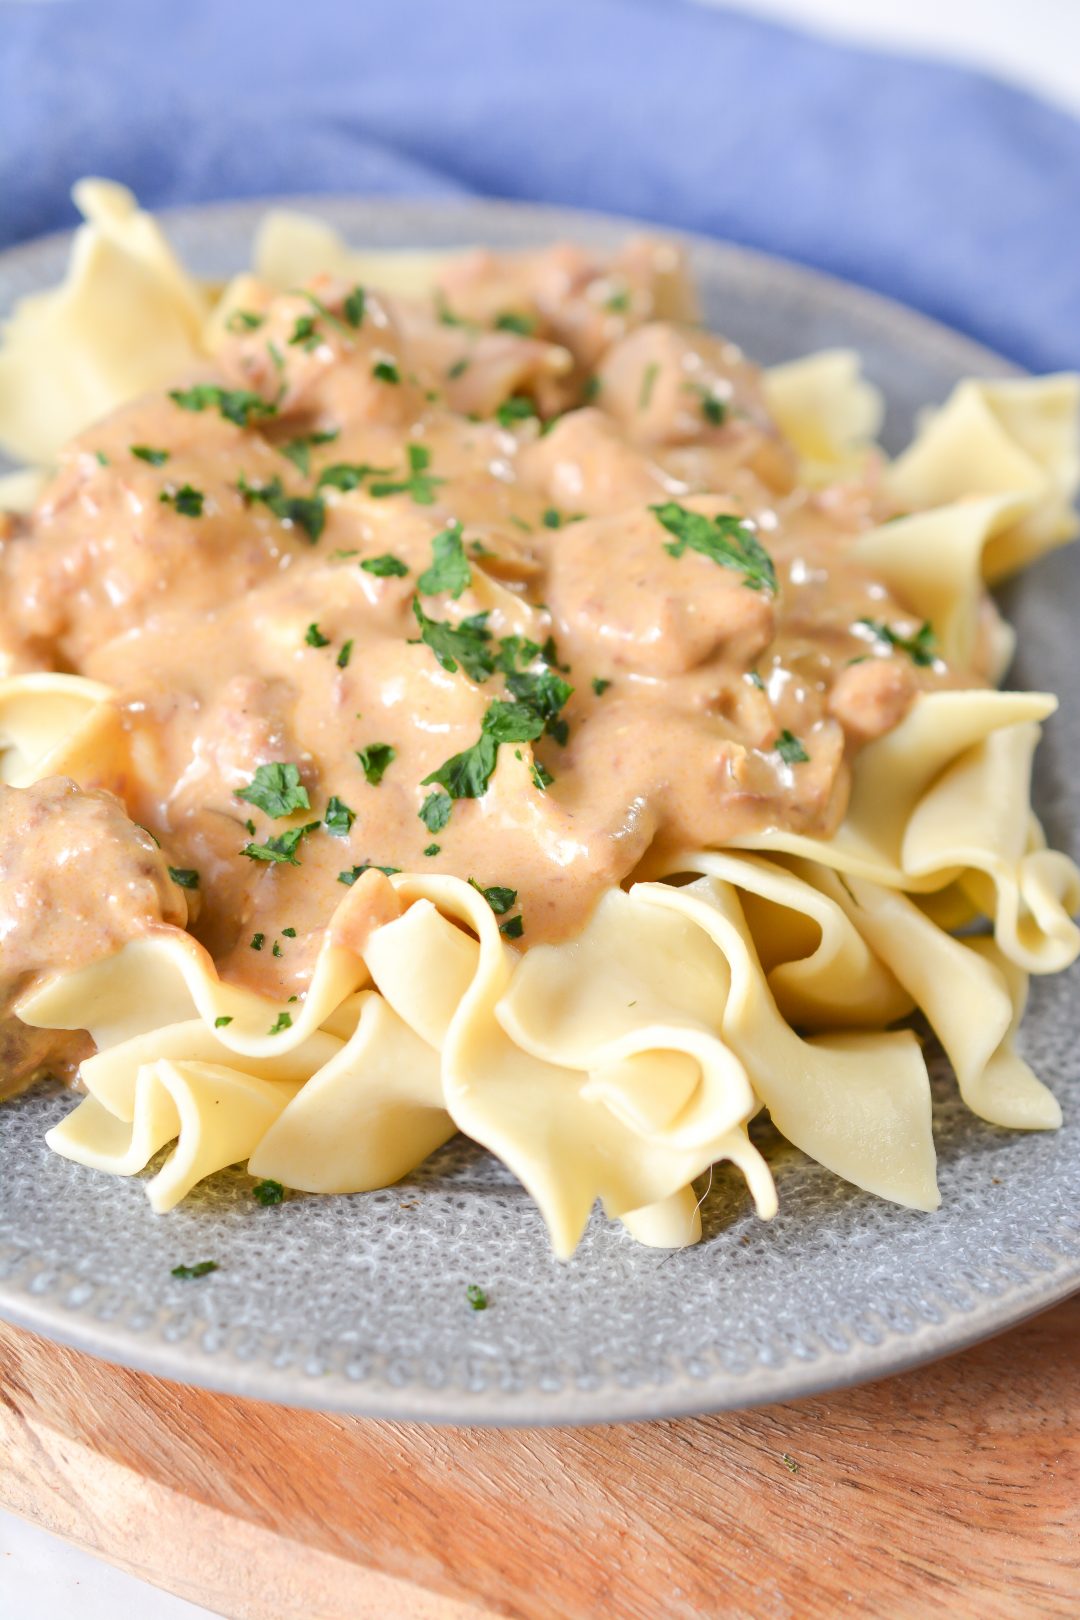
(359, 1303)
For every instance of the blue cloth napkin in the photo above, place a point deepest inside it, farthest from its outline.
(942, 187)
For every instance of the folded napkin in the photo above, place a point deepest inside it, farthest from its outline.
(942, 187)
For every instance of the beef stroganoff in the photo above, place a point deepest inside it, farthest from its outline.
(461, 692)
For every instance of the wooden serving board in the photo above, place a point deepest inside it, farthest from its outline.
(954, 1490)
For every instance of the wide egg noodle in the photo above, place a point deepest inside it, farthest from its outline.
(216, 1113)
(566, 1146)
(1019, 438)
(59, 725)
(126, 319)
(858, 1103)
(826, 408)
(291, 247)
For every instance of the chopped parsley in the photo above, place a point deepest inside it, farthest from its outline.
(267, 1193)
(386, 371)
(511, 321)
(147, 453)
(353, 307)
(648, 383)
(515, 650)
(619, 302)
(338, 818)
(476, 1297)
(101, 458)
(467, 644)
(418, 483)
(220, 1023)
(347, 475)
(281, 849)
(435, 812)
(187, 500)
(258, 941)
(348, 325)
(542, 778)
(724, 539)
(458, 369)
(282, 1022)
(544, 694)
(374, 760)
(385, 567)
(499, 899)
(714, 410)
(289, 933)
(277, 789)
(466, 775)
(449, 570)
(790, 749)
(277, 951)
(307, 512)
(920, 647)
(552, 518)
(590, 389)
(514, 928)
(306, 333)
(202, 1268)
(513, 410)
(350, 877)
(433, 849)
(185, 877)
(315, 638)
(755, 679)
(298, 451)
(344, 655)
(237, 405)
(244, 320)
(789, 1463)
(599, 685)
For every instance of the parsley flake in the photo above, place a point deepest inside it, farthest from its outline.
(237, 405)
(338, 818)
(258, 941)
(920, 647)
(315, 638)
(282, 1022)
(187, 500)
(267, 1193)
(435, 812)
(277, 789)
(350, 877)
(374, 760)
(449, 570)
(353, 307)
(385, 567)
(724, 539)
(306, 512)
(513, 410)
(386, 371)
(185, 877)
(476, 1297)
(298, 451)
(790, 749)
(499, 899)
(202, 1268)
(418, 483)
(433, 849)
(244, 320)
(599, 685)
(147, 453)
(512, 321)
(648, 383)
(514, 928)
(281, 849)
(220, 1023)
(347, 475)
(342, 659)
(542, 777)
(466, 644)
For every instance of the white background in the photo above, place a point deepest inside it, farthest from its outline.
(1035, 43)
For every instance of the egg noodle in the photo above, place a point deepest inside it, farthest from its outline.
(456, 692)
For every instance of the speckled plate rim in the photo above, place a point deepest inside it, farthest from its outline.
(682, 1394)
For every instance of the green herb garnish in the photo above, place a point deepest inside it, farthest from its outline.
(515, 409)
(419, 483)
(466, 644)
(187, 500)
(202, 1268)
(374, 760)
(386, 371)
(267, 1193)
(499, 899)
(237, 405)
(435, 811)
(599, 685)
(342, 659)
(338, 818)
(724, 539)
(790, 749)
(257, 942)
(476, 1297)
(185, 877)
(219, 1023)
(282, 1022)
(315, 638)
(920, 647)
(306, 512)
(298, 451)
(385, 567)
(147, 453)
(648, 383)
(514, 928)
(350, 877)
(281, 849)
(244, 320)
(277, 789)
(449, 570)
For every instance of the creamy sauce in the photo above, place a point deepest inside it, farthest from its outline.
(544, 405)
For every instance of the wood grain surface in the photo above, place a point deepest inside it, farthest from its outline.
(953, 1490)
